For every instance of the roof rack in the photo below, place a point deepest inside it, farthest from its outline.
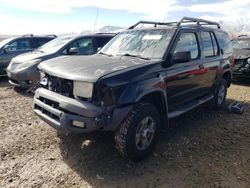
(28, 35)
(197, 21)
(105, 33)
(152, 23)
(243, 36)
(184, 20)
(52, 35)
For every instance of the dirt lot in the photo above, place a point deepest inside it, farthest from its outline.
(204, 148)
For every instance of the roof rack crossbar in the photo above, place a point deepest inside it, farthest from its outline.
(197, 21)
(152, 23)
(184, 20)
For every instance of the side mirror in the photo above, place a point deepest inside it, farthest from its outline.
(6, 48)
(181, 57)
(73, 51)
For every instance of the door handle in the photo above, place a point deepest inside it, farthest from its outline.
(201, 66)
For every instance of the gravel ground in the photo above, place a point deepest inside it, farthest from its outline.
(203, 148)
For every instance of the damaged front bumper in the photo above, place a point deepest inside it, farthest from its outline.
(74, 116)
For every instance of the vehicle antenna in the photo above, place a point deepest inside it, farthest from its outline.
(96, 17)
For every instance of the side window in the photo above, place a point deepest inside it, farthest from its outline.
(224, 42)
(208, 49)
(188, 42)
(101, 41)
(215, 44)
(84, 46)
(20, 44)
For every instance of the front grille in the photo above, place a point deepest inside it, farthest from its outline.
(53, 116)
(49, 102)
(60, 86)
(239, 63)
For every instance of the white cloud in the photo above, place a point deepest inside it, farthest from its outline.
(229, 9)
(11, 25)
(156, 9)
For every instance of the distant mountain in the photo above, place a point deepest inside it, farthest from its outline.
(2, 37)
(111, 29)
(234, 28)
(105, 29)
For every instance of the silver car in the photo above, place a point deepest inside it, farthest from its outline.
(23, 72)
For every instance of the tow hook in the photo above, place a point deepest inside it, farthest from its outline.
(103, 120)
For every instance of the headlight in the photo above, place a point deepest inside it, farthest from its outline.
(83, 89)
(248, 61)
(43, 79)
(28, 64)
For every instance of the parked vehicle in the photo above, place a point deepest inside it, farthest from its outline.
(22, 70)
(12, 47)
(241, 53)
(137, 82)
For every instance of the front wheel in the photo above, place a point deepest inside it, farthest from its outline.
(220, 94)
(137, 134)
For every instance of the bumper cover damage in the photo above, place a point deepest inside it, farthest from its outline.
(60, 112)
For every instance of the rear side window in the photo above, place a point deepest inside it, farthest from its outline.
(207, 44)
(188, 42)
(210, 46)
(215, 44)
(224, 42)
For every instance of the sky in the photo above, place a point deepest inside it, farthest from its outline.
(66, 16)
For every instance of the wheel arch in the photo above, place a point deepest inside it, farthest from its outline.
(159, 100)
(227, 75)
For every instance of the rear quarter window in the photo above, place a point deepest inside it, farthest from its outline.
(224, 42)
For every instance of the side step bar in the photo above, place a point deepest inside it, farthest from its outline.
(189, 106)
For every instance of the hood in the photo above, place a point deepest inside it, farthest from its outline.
(241, 53)
(29, 56)
(87, 68)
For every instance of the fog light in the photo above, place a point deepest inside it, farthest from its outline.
(79, 124)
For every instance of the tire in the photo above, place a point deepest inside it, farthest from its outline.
(135, 138)
(220, 94)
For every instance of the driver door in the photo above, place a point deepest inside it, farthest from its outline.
(184, 78)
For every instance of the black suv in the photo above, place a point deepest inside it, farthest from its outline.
(12, 47)
(241, 54)
(137, 82)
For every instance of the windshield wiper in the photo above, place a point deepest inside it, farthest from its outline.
(109, 55)
(131, 55)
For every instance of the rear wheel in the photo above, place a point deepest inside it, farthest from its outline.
(137, 134)
(220, 94)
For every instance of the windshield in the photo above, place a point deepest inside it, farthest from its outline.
(150, 44)
(4, 42)
(55, 45)
(241, 44)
